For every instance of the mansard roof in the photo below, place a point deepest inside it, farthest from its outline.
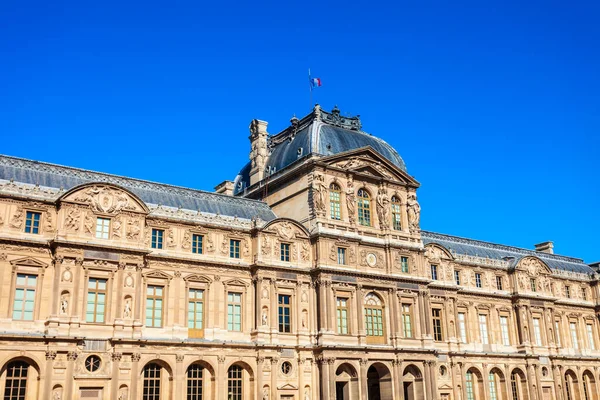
(320, 133)
(512, 255)
(65, 178)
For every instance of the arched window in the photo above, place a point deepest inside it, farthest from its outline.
(571, 386)
(396, 216)
(589, 384)
(469, 386)
(194, 382)
(151, 382)
(518, 385)
(235, 383)
(364, 207)
(334, 201)
(374, 318)
(16, 381)
(493, 386)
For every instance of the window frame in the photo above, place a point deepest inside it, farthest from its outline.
(21, 380)
(457, 277)
(364, 207)
(195, 332)
(25, 288)
(374, 320)
(195, 243)
(505, 330)
(154, 298)
(97, 292)
(404, 264)
(235, 246)
(156, 379)
(240, 305)
(282, 326)
(499, 282)
(462, 327)
(342, 313)
(589, 330)
(30, 223)
(573, 327)
(157, 239)
(478, 282)
(103, 225)
(434, 272)
(406, 310)
(537, 331)
(335, 204)
(238, 379)
(341, 255)
(284, 251)
(438, 334)
(396, 211)
(484, 331)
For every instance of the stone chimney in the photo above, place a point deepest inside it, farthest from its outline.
(225, 187)
(258, 152)
(545, 247)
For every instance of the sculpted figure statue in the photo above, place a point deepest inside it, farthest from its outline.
(414, 213)
(383, 208)
(64, 304)
(351, 201)
(320, 193)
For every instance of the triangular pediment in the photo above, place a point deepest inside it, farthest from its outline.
(157, 275)
(235, 282)
(197, 278)
(287, 386)
(367, 161)
(29, 262)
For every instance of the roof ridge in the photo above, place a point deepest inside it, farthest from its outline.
(505, 247)
(190, 191)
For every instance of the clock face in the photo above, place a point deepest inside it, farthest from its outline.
(371, 259)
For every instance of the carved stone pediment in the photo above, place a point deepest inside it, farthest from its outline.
(157, 275)
(105, 199)
(436, 254)
(197, 278)
(286, 230)
(533, 266)
(365, 165)
(28, 262)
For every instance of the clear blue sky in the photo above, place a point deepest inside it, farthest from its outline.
(494, 105)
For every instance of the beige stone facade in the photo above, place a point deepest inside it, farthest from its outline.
(336, 294)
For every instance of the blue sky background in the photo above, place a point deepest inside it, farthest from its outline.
(494, 105)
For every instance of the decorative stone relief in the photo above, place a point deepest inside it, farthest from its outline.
(305, 252)
(333, 253)
(48, 224)
(67, 275)
(285, 230)
(265, 248)
(88, 223)
(210, 245)
(72, 220)
(105, 199)
(117, 225)
(170, 241)
(133, 230)
(18, 218)
(186, 241)
(64, 303)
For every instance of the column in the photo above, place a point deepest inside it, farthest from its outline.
(179, 377)
(433, 378)
(114, 381)
(427, 381)
(486, 380)
(274, 372)
(301, 362)
(46, 389)
(71, 359)
(324, 371)
(221, 379)
(135, 373)
(259, 375)
(257, 299)
(397, 374)
(362, 376)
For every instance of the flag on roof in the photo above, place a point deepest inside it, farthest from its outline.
(315, 82)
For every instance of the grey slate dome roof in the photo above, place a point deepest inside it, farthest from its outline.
(319, 133)
(60, 177)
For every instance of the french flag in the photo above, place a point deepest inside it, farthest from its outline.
(315, 82)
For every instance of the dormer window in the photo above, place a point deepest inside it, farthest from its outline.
(364, 208)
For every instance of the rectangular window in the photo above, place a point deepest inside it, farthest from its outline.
(196, 309)
(396, 216)
(478, 280)
(157, 238)
(469, 386)
(334, 203)
(436, 314)
(234, 311)
(504, 330)
(102, 228)
(483, 329)
(537, 332)
(96, 300)
(499, 283)
(492, 381)
(584, 293)
(590, 334)
(407, 320)
(23, 304)
(32, 222)
(342, 315)
(154, 306)
(285, 252)
(557, 332)
(434, 272)
(341, 255)
(457, 277)
(197, 244)
(532, 285)
(462, 327)
(284, 314)
(574, 338)
(567, 292)
(404, 264)
(374, 321)
(234, 248)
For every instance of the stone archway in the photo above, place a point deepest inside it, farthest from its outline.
(346, 382)
(379, 382)
(412, 383)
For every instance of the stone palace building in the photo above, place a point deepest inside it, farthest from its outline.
(307, 277)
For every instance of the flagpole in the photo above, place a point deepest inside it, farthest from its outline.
(310, 89)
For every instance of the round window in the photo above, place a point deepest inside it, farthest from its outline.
(443, 371)
(92, 363)
(286, 368)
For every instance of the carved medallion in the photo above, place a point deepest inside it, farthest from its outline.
(371, 260)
